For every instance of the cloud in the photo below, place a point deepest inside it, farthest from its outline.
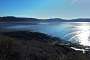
(83, 4)
(81, 1)
(75, 1)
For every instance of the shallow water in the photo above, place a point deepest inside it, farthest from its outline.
(76, 32)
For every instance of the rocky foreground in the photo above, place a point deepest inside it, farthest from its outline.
(24, 45)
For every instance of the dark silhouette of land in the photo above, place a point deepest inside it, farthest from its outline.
(25, 45)
(22, 19)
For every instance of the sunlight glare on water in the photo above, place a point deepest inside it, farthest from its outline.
(82, 33)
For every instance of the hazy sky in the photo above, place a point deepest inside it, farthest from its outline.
(46, 8)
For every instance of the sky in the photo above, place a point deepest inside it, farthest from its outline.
(67, 9)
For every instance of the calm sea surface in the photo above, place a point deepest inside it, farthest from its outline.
(71, 31)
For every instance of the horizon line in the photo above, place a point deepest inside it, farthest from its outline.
(49, 18)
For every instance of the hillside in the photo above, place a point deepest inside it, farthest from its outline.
(23, 19)
(24, 45)
(16, 19)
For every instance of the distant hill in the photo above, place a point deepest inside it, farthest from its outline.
(17, 19)
(22, 19)
(81, 20)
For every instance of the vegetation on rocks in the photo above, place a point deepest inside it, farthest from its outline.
(35, 46)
